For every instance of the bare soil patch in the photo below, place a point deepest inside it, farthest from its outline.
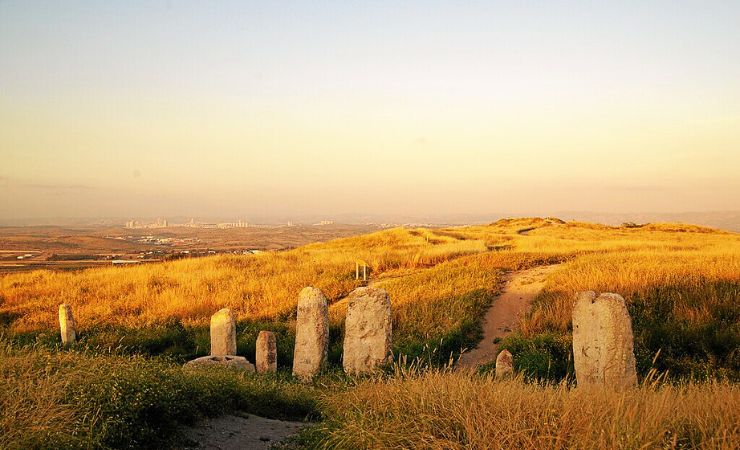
(243, 432)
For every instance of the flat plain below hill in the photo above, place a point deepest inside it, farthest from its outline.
(73, 248)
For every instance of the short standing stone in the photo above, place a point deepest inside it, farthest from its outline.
(603, 352)
(223, 333)
(367, 334)
(312, 334)
(266, 355)
(504, 365)
(67, 324)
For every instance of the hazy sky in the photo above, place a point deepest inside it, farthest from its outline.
(253, 108)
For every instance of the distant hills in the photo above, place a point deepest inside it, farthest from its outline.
(725, 220)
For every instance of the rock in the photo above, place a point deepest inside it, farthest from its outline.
(603, 344)
(312, 334)
(266, 354)
(367, 334)
(67, 324)
(504, 365)
(223, 333)
(235, 362)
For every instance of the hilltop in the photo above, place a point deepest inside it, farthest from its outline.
(680, 282)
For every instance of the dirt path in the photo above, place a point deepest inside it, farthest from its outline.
(503, 315)
(239, 432)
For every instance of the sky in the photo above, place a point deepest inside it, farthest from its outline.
(240, 109)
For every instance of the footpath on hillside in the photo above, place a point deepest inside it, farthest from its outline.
(521, 288)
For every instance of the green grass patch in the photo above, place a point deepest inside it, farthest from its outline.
(87, 400)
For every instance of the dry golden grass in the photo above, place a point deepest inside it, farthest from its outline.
(634, 273)
(254, 287)
(457, 410)
(424, 270)
(31, 403)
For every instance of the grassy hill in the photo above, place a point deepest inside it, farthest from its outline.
(681, 284)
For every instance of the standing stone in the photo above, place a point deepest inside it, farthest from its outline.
(67, 324)
(223, 333)
(312, 334)
(602, 341)
(266, 355)
(367, 335)
(504, 365)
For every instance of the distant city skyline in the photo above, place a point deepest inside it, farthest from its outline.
(259, 109)
(725, 220)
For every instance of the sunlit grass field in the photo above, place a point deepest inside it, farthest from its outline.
(681, 284)
(459, 410)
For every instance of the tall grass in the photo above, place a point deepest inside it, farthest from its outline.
(455, 410)
(189, 291)
(683, 306)
(85, 400)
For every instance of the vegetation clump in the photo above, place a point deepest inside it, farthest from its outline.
(458, 410)
(88, 400)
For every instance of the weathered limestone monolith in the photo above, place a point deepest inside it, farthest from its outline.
(504, 365)
(67, 324)
(312, 334)
(266, 354)
(223, 333)
(603, 351)
(367, 334)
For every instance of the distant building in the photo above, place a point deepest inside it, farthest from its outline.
(239, 224)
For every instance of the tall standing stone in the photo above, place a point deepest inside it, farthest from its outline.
(312, 334)
(67, 324)
(266, 354)
(504, 365)
(603, 352)
(223, 333)
(367, 334)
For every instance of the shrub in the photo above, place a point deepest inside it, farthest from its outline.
(541, 357)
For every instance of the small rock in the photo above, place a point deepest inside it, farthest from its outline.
(236, 362)
(504, 365)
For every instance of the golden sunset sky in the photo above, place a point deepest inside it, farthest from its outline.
(251, 108)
